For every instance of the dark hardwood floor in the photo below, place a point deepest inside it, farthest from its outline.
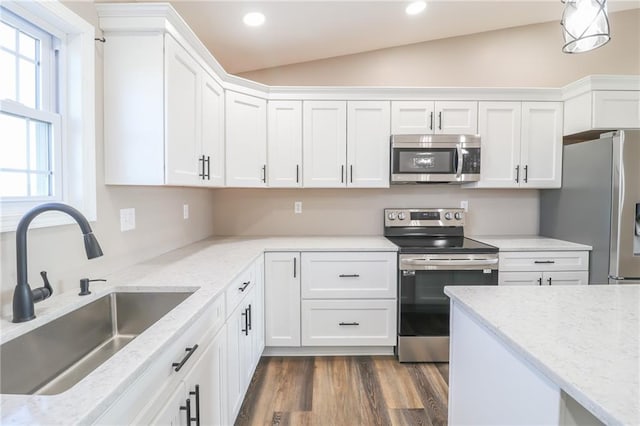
(358, 390)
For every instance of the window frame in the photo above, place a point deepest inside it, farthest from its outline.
(76, 106)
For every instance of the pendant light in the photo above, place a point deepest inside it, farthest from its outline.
(585, 25)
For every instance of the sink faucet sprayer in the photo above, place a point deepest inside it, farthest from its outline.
(23, 296)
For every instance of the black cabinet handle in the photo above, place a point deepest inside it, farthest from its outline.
(264, 173)
(201, 166)
(540, 281)
(544, 261)
(187, 408)
(440, 120)
(244, 286)
(249, 317)
(297, 173)
(549, 280)
(295, 266)
(349, 275)
(245, 330)
(342, 174)
(208, 167)
(196, 393)
(178, 365)
(431, 120)
(351, 172)
(518, 173)
(526, 173)
(349, 323)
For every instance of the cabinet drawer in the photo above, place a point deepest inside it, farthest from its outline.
(544, 261)
(348, 275)
(348, 322)
(239, 287)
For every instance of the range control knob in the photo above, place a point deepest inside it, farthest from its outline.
(392, 215)
(458, 216)
(447, 215)
(402, 216)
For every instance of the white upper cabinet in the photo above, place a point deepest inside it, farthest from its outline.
(499, 129)
(212, 132)
(429, 117)
(346, 144)
(368, 144)
(246, 148)
(602, 110)
(521, 144)
(324, 140)
(157, 109)
(541, 148)
(284, 144)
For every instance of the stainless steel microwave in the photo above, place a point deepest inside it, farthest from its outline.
(435, 158)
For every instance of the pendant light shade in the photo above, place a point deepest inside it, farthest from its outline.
(585, 25)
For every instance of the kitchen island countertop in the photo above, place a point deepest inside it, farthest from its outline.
(585, 339)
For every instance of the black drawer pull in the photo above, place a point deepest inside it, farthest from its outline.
(349, 275)
(544, 261)
(178, 365)
(187, 408)
(196, 393)
(244, 286)
(349, 323)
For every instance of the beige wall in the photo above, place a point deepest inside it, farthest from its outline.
(359, 211)
(527, 56)
(160, 226)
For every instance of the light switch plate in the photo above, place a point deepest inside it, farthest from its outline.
(297, 207)
(464, 205)
(127, 219)
(185, 211)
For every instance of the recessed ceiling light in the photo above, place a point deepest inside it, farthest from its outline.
(253, 19)
(415, 7)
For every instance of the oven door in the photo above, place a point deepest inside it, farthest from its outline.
(424, 308)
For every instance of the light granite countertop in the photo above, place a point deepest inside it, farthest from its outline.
(206, 267)
(528, 243)
(586, 339)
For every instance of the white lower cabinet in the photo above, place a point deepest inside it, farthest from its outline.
(544, 268)
(330, 299)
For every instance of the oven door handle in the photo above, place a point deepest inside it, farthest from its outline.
(451, 262)
(460, 161)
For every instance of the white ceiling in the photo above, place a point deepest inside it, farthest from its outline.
(305, 30)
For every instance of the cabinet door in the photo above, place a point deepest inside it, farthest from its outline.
(616, 109)
(246, 140)
(499, 128)
(258, 311)
(235, 374)
(247, 340)
(520, 278)
(284, 144)
(206, 383)
(456, 118)
(183, 115)
(171, 414)
(412, 117)
(213, 131)
(566, 278)
(541, 147)
(282, 299)
(368, 144)
(324, 139)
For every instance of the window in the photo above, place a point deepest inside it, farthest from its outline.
(47, 111)
(29, 122)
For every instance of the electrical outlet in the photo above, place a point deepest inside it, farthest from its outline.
(464, 205)
(127, 219)
(185, 211)
(297, 207)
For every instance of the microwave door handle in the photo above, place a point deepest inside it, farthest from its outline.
(460, 161)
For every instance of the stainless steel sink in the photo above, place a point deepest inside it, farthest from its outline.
(54, 357)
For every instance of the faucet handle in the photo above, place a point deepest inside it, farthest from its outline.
(41, 293)
(84, 286)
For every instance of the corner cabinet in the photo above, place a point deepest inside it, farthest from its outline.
(163, 112)
(521, 144)
(246, 140)
(346, 144)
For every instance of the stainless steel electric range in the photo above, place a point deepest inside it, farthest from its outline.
(433, 253)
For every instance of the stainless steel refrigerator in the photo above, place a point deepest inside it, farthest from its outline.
(599, 205)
